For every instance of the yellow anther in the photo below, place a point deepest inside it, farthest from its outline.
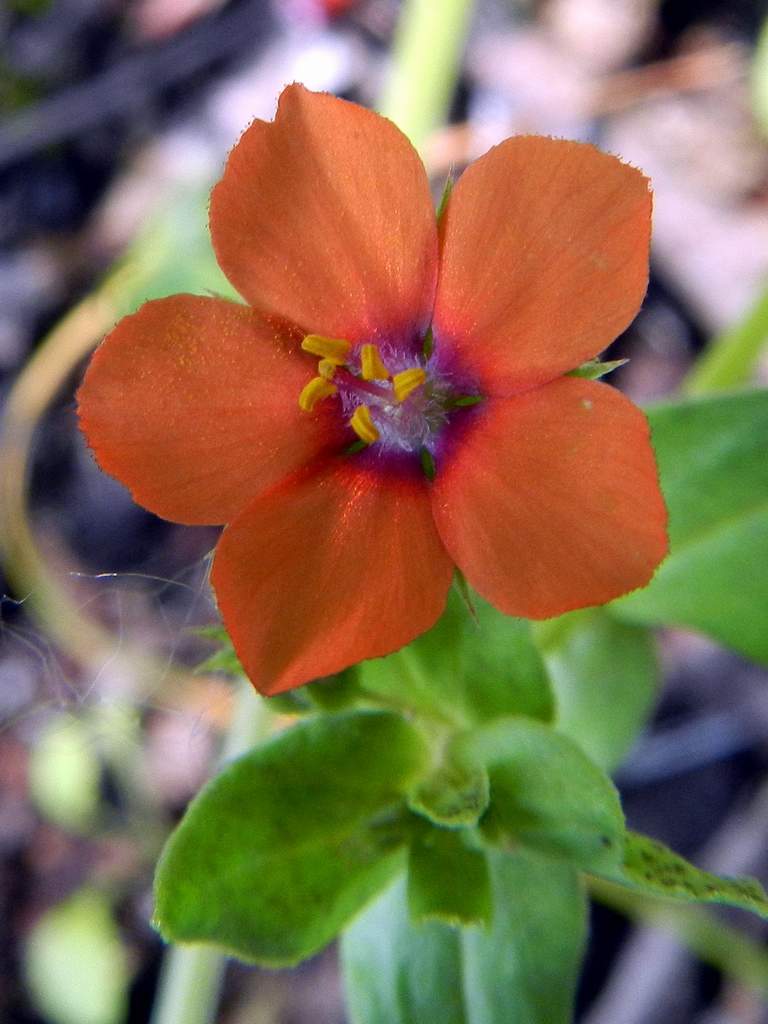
(371, 365)
(326, 368)
(315, 391)
(363, 425)
(335, 349)
(406, 382)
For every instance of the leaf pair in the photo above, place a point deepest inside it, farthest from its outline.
(282, 849)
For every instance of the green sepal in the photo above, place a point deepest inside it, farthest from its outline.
(336, 693)
(545, 793)
(427, 463)
(652, 868)
(223, 660)
(445, 196)
(594, 369)
(448, 878)
(428, 344)
(281, 849)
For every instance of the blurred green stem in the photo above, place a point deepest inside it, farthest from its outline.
(730, 359)
(713, 941)
(190, 981)
(427, 53)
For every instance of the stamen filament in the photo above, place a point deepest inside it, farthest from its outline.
(315, 391)
(371, 365)
(406, 382)
(335, 349)
(363, 425)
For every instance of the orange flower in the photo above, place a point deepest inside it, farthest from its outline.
(392, 402)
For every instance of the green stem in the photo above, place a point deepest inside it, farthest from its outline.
(191, 978)
(730, 360)
(427, 52)
(713, 941)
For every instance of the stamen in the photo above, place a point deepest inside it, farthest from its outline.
(326, 368)
(371, 365)
(363, 425)
(406, 382)
(315, 391)
(335, 349)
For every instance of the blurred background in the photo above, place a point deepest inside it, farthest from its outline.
(116, 119)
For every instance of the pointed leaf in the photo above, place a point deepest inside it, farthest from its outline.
(714, 475)
(654, 869)
(276, 853)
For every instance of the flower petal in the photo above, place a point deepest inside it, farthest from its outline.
(550, 501)
(324, 218)
(544, 260)
(327, 569)
(192, 403)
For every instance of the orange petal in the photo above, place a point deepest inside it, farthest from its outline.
(550, 501)
(324, 218)
(544, 260)
(193, 404)
(327, 569)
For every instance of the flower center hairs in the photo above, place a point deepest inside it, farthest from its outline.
(388, 397)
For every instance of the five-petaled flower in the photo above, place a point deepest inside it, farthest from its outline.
(394, 401)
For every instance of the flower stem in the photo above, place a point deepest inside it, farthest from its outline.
(730, 360)
(428, 47)
(713, 941)
(191, 977)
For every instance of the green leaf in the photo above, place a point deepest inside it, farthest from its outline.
(448, 878)
(278, 852)
(522, 970)
(396, 972)
(76, 967)
(714, 474)
(605, 676)
(655, 870)
(545, 793)
(465, 670)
